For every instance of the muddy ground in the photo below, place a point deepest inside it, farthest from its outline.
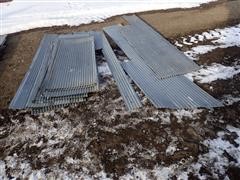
(99, 135)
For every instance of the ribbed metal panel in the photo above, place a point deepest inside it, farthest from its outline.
(57, 102)
(43, 107)
(2, 39)
(129, 96)
(68, 92)
(45, 99)
(160, 55)
(97, 39)
(24, 93)
(114, 33)
(176, 92)
(63, 71)
(74, 64)
(48, 58)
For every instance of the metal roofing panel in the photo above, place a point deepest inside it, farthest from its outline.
(114, 33)
(159, 54)
(57, 102)
(74, 64)
(129, 96)
(69, 92)
(25, 92)
(43, 107)
(44, 99)
(175, 92)
(50, 59)
(97, 37)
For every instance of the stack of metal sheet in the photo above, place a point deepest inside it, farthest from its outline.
(63, 71)
(157, 67)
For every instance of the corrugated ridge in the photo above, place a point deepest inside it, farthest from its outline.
(48, 107)
(129, 96)
(67, 92)
(57, 102)
(44, 99)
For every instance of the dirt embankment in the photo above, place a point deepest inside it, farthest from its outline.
(189, 21)
(22, 46)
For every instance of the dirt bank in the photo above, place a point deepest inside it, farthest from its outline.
(182, 22)
(22, 46)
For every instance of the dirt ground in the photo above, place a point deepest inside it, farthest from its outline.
(99, 135)
(22, 46)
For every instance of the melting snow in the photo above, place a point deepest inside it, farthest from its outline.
(219, 38)
(21, 15)
(191, 114)
(213, 73)
(229, 99)
(103, 69)
(214, 159)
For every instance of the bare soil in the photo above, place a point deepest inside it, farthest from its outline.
(190, 21)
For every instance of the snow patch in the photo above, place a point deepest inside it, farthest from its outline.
(219, 38)
(229, 99)
(215, 158)
(172, 147)
(104, 70)
(20, 15)
(213, 73)
(191, 114)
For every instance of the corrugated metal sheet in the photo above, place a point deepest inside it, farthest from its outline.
(45, 99)
(160, 55)
(23, 93)
(96, 34)
(175, 92)
(42, 69)
(74, 64)
(68, 92)
(57, 102)
(63, 71)
(2, 39)
(97, 39)
(129, 96)
(114, 33)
